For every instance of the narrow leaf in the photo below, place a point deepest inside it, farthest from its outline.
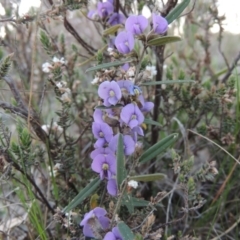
(176, 12)
(148, 177)
(121, 172)
(87, 191)
(158, 148)
(167, 82)
(151, 122)
(111, 107)
(163, 40)
(125, 231)
(112, 30)
(108, 65)
(127, 201)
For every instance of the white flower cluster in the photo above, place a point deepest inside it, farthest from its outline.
(47, 67)
(55, 128)
(151, 71)
(133, 184)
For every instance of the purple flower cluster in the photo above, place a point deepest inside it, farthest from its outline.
(128, 116)
(136, 25)
(96, 220)
(105, 11)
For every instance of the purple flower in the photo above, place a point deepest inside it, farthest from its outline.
(105, 165)
(104, 9)
(125, 85)
(125, 67)
(131, 115)
(128, 143)
(135, 132)
(135, 90)
(116, 18)
(98, 116)
(93, 218)
(110, 92)
(103, 132)
(136, 24)
(160, 24)
(112, 187)
(146, 106)
(124, 42)
(92, 14)
(98, 151)
(113, 235)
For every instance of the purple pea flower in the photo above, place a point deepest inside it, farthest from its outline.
(135, 132)
(97, 216)
(98, 151)
(104, 9)
(93, 14)
(124, 42)
(128, 144)
(160, 24)
(136, 24)
(113, 235)
(135, 90)
(98, 116)
(103, 132)
(112, 187)
(125, 67)
(105, 165)
(110, 92)
(116, 18)
(146, 106)
(131, 115)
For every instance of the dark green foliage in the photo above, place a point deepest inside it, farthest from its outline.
(5, 65)
(46, 42)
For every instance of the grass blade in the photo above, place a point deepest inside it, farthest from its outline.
(125, 231)
(87, 191)
(158, 148)
(148, 177)
(176, 12)
(121, 171)
(108, 65)
(167, 82)
(163, 40)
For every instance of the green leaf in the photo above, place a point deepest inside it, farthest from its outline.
(121, 171)
(108, 65)
(163, 40)
(127, 201)
(125, 231)
(166, 82)
(148, 177)
(151, 122)
(176, 12)
(112, 30)
(87, 191)
(158, 148)
(5, 65)
(104, 107)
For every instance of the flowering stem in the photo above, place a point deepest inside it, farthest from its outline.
(139, 63)
(119, 202)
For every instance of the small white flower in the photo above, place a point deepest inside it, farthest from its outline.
(57, 60)
(170, 101)
(61, 84)
(46, 67)
(45, 128)
(131, 72)
(57, 128)
(133, 184)
(66, 96)
(110, 49)
(95, 81)
(152, 70)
